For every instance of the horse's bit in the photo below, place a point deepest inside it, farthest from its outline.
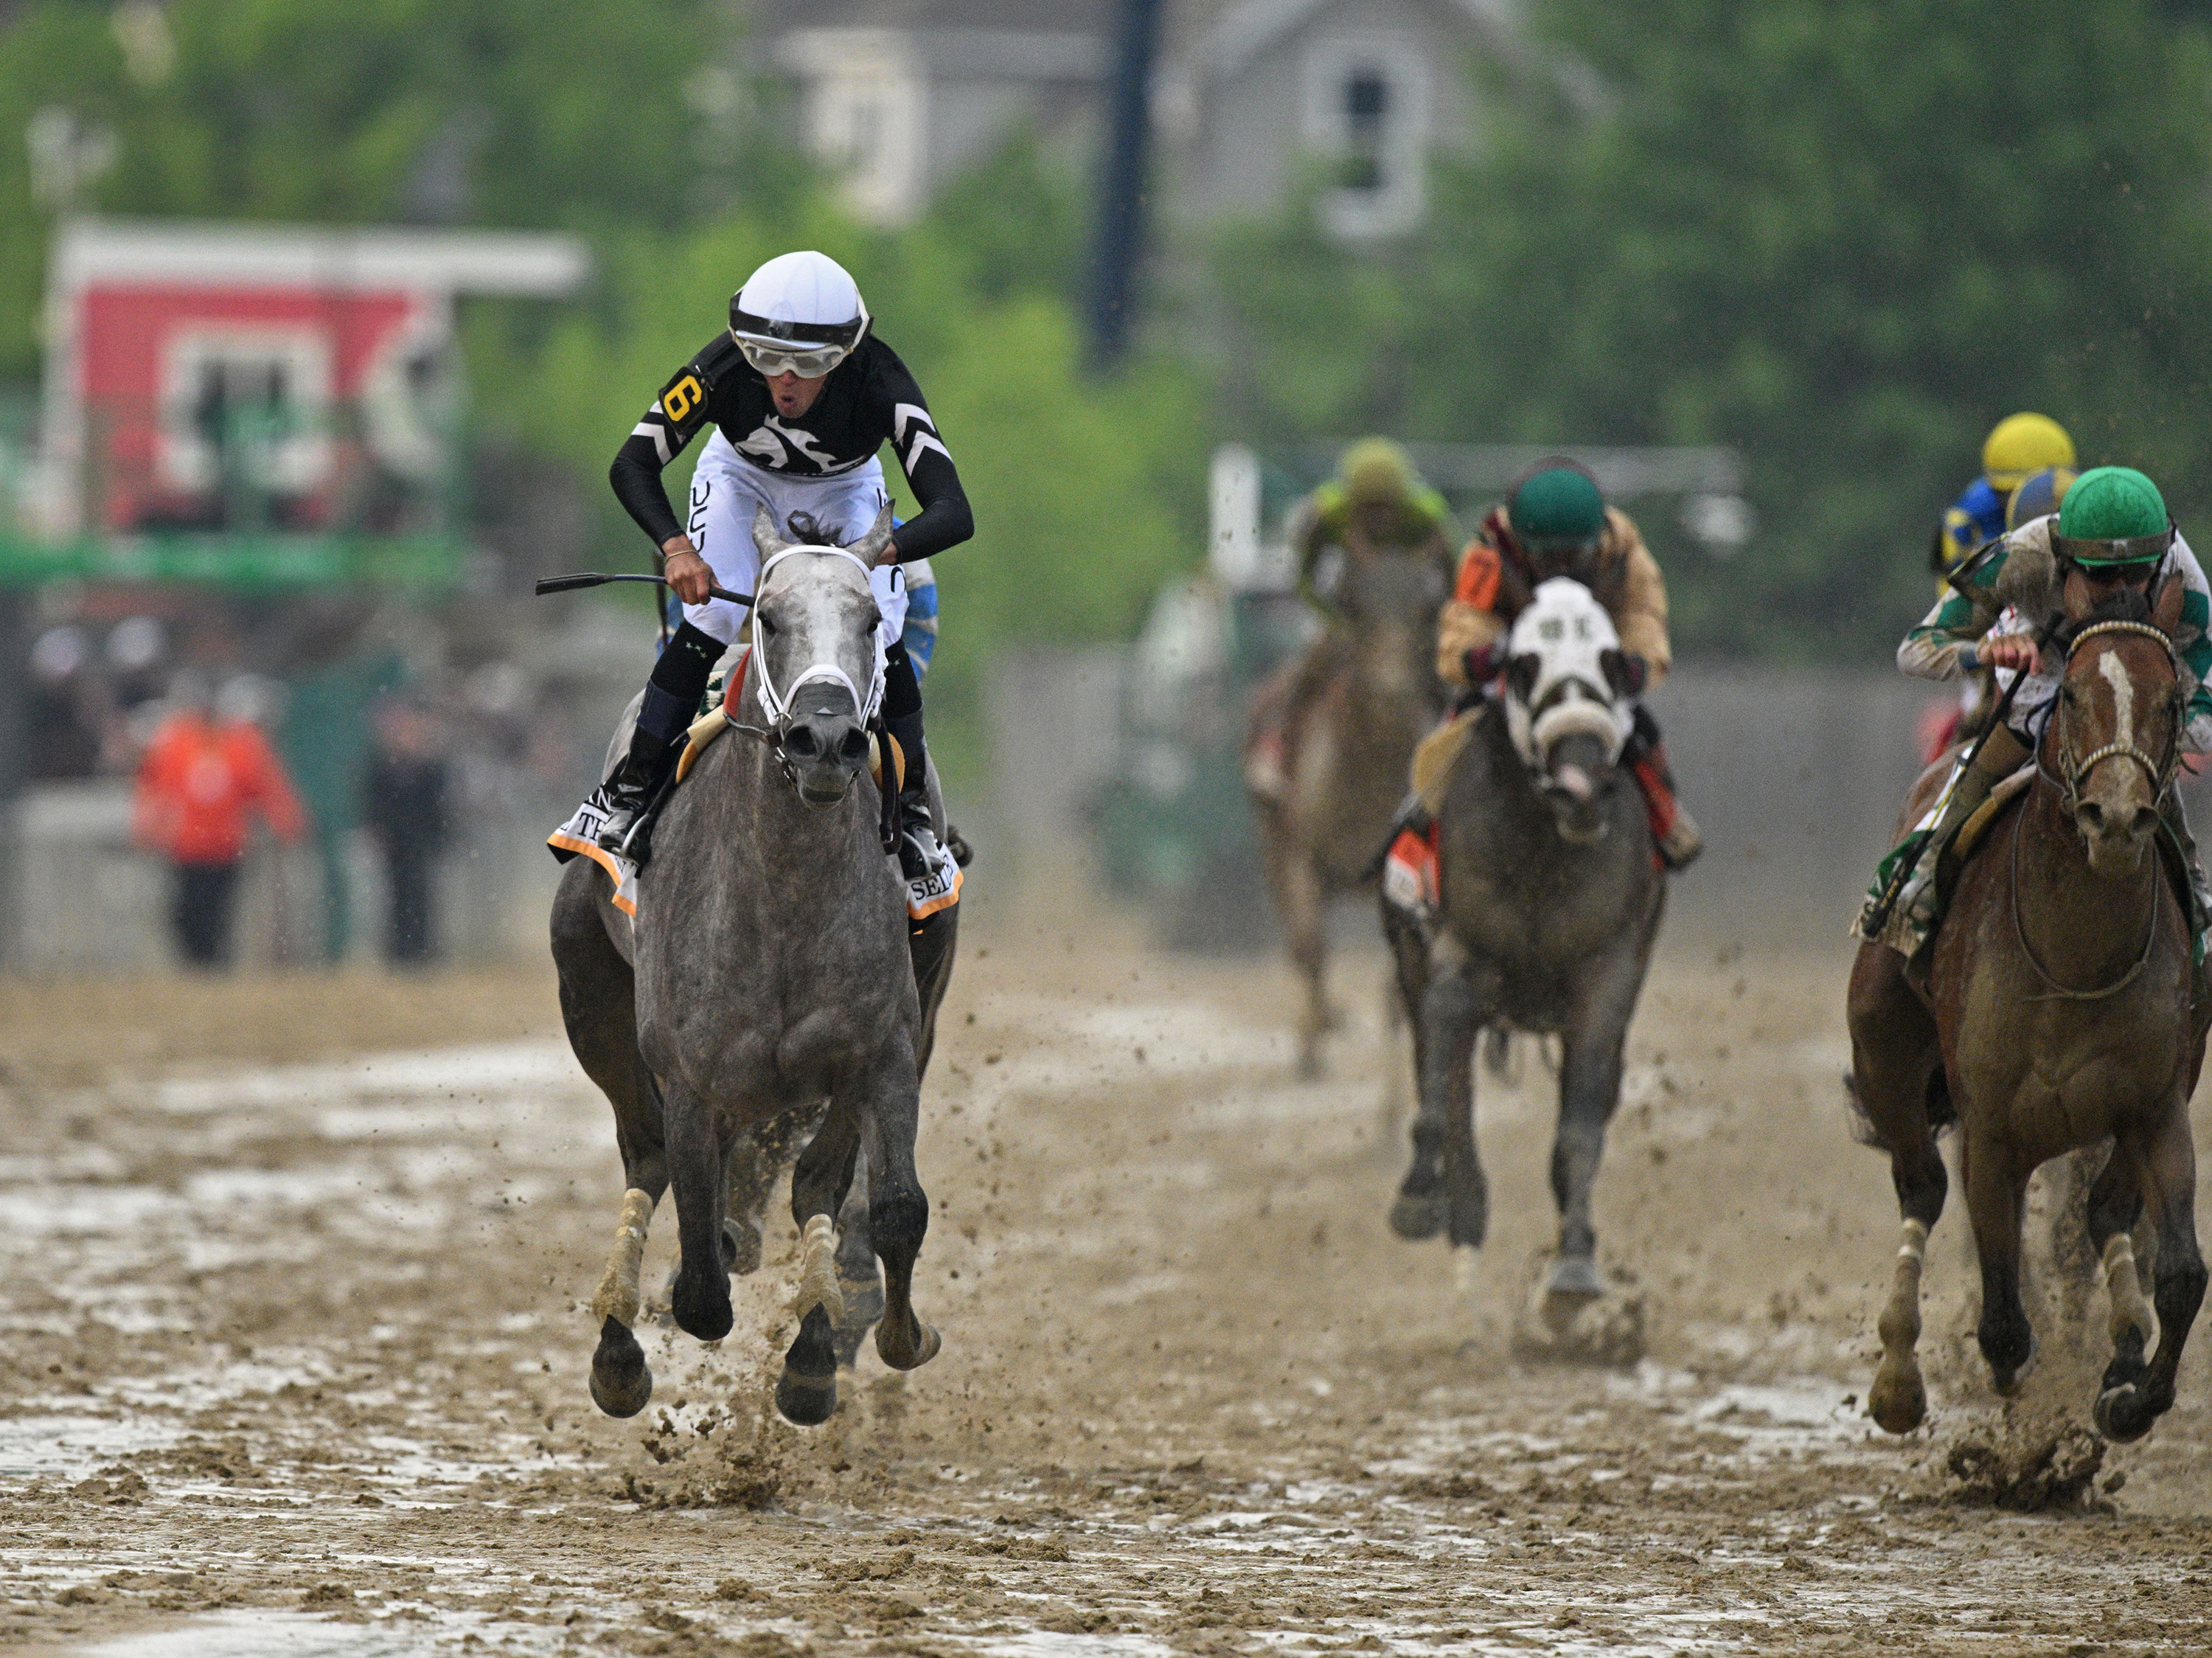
(2161, 774)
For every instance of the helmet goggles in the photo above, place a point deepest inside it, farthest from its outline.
(808, 363)
(2097, 553)
(809, 349)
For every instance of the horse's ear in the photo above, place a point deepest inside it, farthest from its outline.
(869, 549)
(765, 538)
(1521, 674)
(1619, 675)
(2075, 594)
(2166, 603)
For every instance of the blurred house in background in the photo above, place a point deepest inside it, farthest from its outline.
(1251, 98)
(263, 377)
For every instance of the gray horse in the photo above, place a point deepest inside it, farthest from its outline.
(1370, 693)
(766, 981)
(1551, 898)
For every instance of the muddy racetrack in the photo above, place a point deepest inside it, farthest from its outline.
(296, 1354)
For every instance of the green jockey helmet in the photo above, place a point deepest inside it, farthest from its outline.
(1556, 508)
(2113, 515)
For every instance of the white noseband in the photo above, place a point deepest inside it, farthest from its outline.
(778, 702)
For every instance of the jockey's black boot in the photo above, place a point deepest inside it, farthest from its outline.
(672, 702)
(917, 849)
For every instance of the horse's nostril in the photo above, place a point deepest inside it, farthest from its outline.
(2092, 815)
(2146, 820)
(802, 741)
(854, 748)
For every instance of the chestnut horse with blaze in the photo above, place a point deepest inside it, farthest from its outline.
(2058, 1009)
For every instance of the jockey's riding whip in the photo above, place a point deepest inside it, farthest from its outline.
(570, 584)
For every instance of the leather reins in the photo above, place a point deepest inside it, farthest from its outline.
(2160, 773)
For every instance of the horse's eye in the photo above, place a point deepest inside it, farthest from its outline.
(768, 624)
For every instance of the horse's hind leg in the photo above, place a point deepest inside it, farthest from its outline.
(1996, 1190)
(2169, 1174)
(597, 1006)
(807, 1391)
(1899, 1399)
(1304, 920)
(1894, 1065)
(898, 1208)
(859, 1277)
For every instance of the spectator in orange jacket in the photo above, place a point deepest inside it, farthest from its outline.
(205, 772)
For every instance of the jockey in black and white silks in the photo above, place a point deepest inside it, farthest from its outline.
(801, 394)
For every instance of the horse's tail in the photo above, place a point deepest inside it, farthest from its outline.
(1942, 1112)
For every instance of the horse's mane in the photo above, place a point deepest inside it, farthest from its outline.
(2125, 605)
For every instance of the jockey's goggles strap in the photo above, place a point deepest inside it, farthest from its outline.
(778, 702)
(2127, 550)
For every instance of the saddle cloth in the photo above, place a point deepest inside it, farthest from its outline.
(935, 890)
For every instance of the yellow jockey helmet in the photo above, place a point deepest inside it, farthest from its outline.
(1376, 472)
(2020, 444)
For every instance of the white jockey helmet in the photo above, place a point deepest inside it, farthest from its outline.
(800, 314)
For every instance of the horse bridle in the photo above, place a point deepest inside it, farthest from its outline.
(2161, 774)
(777, 702)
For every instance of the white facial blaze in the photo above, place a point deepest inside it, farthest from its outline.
(2124, 696)
(1568, 632)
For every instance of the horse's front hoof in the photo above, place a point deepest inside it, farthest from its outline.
(894, 1350)
(2123, 1414)
(621, 1383)
(1415, 1219)
(1898, 1401)
(809, 1401)
(701, 1309)
(2007, 1382)
(1572, 1283)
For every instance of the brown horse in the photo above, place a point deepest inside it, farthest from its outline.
(2055, 1013)
(1347, 753)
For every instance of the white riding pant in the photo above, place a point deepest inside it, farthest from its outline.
(727, 489)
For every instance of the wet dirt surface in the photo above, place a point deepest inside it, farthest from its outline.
(296, 1354)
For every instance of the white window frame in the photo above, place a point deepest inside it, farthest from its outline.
(1331, 60)
(865, 102)
(297, 466)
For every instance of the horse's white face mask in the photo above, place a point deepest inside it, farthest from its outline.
(1564, 669)
(818, 665)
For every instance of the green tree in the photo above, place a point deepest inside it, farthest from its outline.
(1845, 237)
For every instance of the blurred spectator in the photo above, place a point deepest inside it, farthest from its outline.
(135, 649)
(62, 715)
(404, 806)
(206, 770)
